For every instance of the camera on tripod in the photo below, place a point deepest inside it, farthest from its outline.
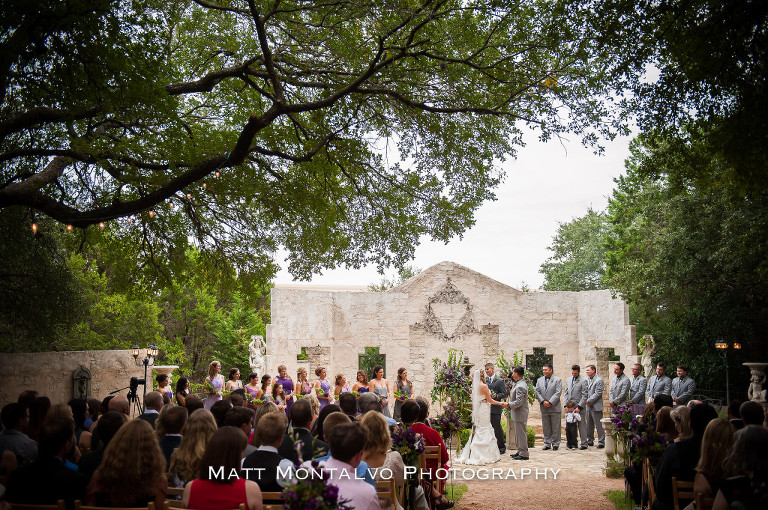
(134, 385)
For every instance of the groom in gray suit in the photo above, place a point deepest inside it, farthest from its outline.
(518, 409)
(548, 390)
(498, 392)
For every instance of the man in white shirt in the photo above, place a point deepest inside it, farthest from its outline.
(347, 441)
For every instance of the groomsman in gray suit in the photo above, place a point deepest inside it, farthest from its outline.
(637, 388)
(548, 390)
(576, 390)
(499, 392)
(518, 409)
(619, 392)
(682, 386)
(595, 388)
(659, 384)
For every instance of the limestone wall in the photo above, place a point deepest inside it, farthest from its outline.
(445, 306)
(50, 373)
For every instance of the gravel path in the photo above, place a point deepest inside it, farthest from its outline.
(579, 480)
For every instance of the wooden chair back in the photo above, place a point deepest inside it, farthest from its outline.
(150, 506)
(275, 497)
(20, 506)
(681, 491)
(648, 470)
(703, 503)
(173, 492)
(385, 489)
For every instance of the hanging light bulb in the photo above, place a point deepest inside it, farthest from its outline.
(101, 225)
(205, 185)
(189, 196)
(151, 214)
(34, 228)
(69, 228)
(218, 174)
(170, 204)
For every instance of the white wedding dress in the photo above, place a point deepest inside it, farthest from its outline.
(481, 447)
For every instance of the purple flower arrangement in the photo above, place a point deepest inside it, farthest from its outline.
(624, 420)
(408, 443)
(649, 444)
(313, 493)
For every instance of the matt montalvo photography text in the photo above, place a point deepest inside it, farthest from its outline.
(468, 473)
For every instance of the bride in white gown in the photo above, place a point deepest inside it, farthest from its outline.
(481, 447)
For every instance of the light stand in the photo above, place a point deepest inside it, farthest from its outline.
(722, 348)
(147, 361)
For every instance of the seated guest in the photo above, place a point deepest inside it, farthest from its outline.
(716, 446)
(665, 424)
(331, 421)
(324, 412)
(348, 405)
(659, 401)
(79, 408)
(15, 417)
(347, 441)
(747, 466)
(93, 412)
(171, 421)
(378, 454)
(681, 416)
(301, 420)
(416, 418)
(680, 459)
(37, 411)
(185, 460)
(219, 410)
(752, 413)
(237, 397)
(270, 431)
(241, 417)
(214, 488)
(734, 415)
(369, 401)
(103, 408)
(120, 404)
(264, 409)
(153, 403)
(57, 437)
(132, 472)
(193, 403)
(109, 423)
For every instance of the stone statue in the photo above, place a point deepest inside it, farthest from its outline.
(756, 391)
(257, 350)
(648, 347)
(81, 383)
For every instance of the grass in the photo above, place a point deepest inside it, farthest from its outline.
(619, 500)
(454, 491)
(614, 467)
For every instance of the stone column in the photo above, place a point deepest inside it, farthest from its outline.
(604, 371)
(318, 357)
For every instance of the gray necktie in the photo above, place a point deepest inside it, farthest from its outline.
(546, 383)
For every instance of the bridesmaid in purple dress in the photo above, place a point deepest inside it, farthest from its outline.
(361, 385)
(252, 388)
(325, 397)
(216, 380)
(285, 379)
(302, 383)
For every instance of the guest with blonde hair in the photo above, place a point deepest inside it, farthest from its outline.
(716, 446)
(378, 453)
(132, 472)
(185, 460)
(681, 415)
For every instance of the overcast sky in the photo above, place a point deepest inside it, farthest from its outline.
(547, 184)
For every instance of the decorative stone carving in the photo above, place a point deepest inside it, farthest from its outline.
(757, 391)
(81, 383)
(436, 315)
(257, 351)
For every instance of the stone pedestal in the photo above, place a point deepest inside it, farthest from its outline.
(610, 444)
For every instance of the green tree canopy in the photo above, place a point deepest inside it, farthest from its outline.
(691, 261)
(577, 255)
(342, 131)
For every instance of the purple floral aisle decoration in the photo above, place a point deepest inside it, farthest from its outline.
(314, 492)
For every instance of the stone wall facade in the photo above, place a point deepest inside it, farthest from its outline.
(445, 306)
(50, 373)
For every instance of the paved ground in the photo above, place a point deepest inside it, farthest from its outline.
(579, 483)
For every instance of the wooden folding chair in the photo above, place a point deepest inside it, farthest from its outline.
(432, 453)
(649, 480)
(174, 492)
(385, 489)
(272, 497)
(703, 503)
(150, 506)
(682, 491)
(21, 506)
